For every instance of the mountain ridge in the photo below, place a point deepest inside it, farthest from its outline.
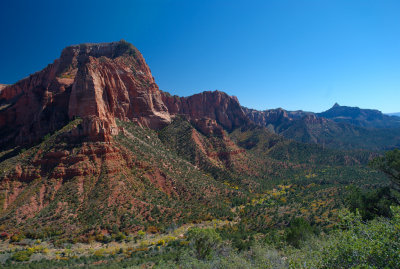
(91, 141)
(368, 118)
(340, 126)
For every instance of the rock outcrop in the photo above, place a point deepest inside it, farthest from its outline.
(208, 109)
(275, 117)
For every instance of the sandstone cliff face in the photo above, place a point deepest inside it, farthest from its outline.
(208, 111)
(96, 82)
(110, 88)
(275, 117)
(264, 118)
(34, 106)
(100, 83)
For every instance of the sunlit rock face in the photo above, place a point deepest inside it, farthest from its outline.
(96, 82)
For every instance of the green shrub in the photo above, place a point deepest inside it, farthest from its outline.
(370, 204)
(22, 256)
(203, 241)
(120, 236)
(17, 237)
(375, 244)
(299, 231)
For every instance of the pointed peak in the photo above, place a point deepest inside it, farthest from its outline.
(336, 105)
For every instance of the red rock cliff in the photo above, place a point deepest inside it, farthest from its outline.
(216, 106)
(97, 82)
(101, 83)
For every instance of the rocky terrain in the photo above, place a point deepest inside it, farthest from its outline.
(90, 142)
(100, 168)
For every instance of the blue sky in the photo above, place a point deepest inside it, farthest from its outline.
(291, 54)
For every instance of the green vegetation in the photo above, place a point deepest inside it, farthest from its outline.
(182, 198)
(353, 243)
(124, 47)
(22, 256)
(299, 230)
(370, 203)
(390, 165)
(203, 241)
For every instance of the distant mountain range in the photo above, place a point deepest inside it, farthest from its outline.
(339, 127)
(394, 114)
(368, 118)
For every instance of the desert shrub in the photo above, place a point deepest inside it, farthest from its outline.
(99, 237)
(140, 234)
(17, 237)
(203, 241)
(4, 235)
(374, 244)
(22, 256)
(240, 235)
(124, 47)
(370, 204)
(152, 229)
(120, 236)
(299, 231)
(356, 244)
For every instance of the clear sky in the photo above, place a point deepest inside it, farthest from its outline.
(270, 53)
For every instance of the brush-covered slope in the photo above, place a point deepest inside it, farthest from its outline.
(69, 186)
(212, 152)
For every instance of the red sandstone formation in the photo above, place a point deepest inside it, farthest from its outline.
(100, 83)
(96, 82)
(277, 116)
(216, 106)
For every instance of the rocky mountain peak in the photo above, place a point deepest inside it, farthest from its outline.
(100, 83)
(95, 82)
